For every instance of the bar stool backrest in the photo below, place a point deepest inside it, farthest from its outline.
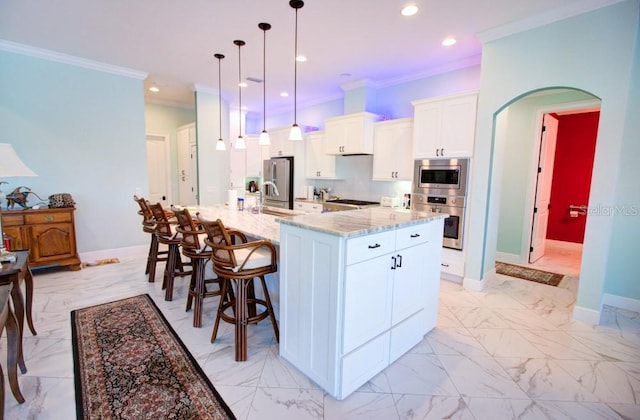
(147, 216)
(188, 229)
(163, 227)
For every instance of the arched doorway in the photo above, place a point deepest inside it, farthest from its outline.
(519, 178)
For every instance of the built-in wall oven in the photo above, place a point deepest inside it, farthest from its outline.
(440, 186)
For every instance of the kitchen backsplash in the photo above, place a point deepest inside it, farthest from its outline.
(357, 183)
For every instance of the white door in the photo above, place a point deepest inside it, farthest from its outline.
(187, 167)
(157, 168)
(543, 187)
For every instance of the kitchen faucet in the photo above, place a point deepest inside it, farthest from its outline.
(275, 191)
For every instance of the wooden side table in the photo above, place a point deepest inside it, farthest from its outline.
(8, 320)
(14, 273)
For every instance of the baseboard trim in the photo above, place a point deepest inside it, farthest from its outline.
(590, 316)
(621, 302)
(508, 258)
(473, 284)
(114, 253)
(450, 277)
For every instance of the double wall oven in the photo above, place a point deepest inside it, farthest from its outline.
(440, 186)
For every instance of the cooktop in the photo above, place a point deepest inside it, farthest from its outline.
(353, 202)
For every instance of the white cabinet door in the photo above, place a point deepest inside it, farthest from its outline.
(237, 167)
(392, 154)
(409, 281)
(444, 127)
(349, 134)
(256, 155)
(367, 315)
(319, 165)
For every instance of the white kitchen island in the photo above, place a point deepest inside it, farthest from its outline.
(358, 289)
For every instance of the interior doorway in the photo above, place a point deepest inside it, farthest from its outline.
(522, 155)
(572, 153)
(157, 168)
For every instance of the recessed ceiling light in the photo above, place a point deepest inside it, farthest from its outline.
(284, 94)
(301, 58)
(243, 84)
(409, 10)
(154, 89)
(447, 42)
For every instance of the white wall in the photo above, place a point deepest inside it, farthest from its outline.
(82, 131)
(592, 52)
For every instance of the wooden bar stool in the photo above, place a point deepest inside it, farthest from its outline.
(239, 265)
(174, 266)
(199, 253)
(149, 226)
(8, 320)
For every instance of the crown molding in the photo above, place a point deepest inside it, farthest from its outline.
(542, 19)
(433, 71)
(357, 84)
(200, 88)
(48, 55)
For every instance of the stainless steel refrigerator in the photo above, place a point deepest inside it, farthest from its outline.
(278, 171)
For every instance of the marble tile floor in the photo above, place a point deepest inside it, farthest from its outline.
(510, 351)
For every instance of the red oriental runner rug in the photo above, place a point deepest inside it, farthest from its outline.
(129, 363)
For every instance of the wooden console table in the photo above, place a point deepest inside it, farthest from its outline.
(49, 235)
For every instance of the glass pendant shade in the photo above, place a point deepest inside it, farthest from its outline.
(296, 133)
(240, 143)
(264, 138)
(220, 146)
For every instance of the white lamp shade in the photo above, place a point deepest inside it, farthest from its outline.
(10, 163)
(264, 138)
(240, 143)
(296, 133)
(220, 146)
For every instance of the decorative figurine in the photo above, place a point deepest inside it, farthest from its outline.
(19, 196)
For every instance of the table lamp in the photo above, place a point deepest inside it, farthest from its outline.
(10, 166)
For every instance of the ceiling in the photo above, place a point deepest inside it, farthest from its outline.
(344, 41)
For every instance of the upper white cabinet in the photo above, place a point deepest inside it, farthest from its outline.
(392, 158)
(280, 143)
(444, 127)
(349, 134)
(256, 155)
(319, 165)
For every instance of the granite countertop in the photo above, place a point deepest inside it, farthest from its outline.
(256, 225)
(360, 222)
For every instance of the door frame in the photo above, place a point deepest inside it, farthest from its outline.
(167, 162)
(533, 164)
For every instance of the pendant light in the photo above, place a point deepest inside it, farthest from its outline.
(220, 143)
(240, 144)
(264, 136)
(296, 133)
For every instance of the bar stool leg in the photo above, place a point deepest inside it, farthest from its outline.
(241, 319)
(152, 260)
(272, 315)
(224, 291)
(169, 271)
(198, 276)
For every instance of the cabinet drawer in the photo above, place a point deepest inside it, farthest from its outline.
(412, 235)
(370, 246)
(47, 218)
(364, 363)
(406, 335)
(12, 219)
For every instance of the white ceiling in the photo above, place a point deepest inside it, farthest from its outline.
(174, 41)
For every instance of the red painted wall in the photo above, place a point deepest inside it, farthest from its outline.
(575, 150)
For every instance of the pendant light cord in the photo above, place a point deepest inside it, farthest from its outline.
(239, 92)
(220, 95)
(295, 76)
(264, 80)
